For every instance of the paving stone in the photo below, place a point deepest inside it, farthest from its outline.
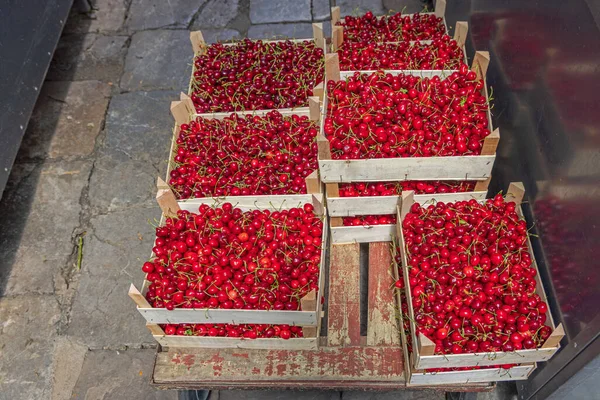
(216, 14)
(265, 11)
(28, 327)
(103, 316)
(68, 360)
(119, 183)
(88, 57)
(278, 395)
(321, 10)
(152, 14)
(220, 35)
(159, 59)
(359, 7)
(38, 214)
(277, 31)
(106, 16)
(404, 6)
(394, 395)
(119, 375)
(66, 120)
(140, 125)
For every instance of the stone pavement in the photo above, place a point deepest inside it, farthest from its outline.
(86, 174)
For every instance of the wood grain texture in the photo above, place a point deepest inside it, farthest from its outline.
(460, 33)
(402, 169)
(382, 328)
(344, 296)
(352, 363)
(221, 316)
(332, 67)
(198, 42)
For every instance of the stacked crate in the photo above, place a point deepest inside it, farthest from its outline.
(309, 317)
(457, 168)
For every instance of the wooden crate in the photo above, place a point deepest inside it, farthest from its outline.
(337, 32)
(310, 316)
(415, 377)
(183, 112)
(477, 168)
(423, 347)
(460, 35)
(199, 46)
(339, 207)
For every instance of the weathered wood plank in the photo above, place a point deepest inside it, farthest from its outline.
(353, 363)
(382, 328)
(344, 296)
(401, 169)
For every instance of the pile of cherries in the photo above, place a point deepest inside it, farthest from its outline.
(384, 115)
(244, 155)
(406, 327)
(360, 189)
(392, 28)
(472, 280)
(441, 54)
(229, 259)
(247, 331)
(256, 75)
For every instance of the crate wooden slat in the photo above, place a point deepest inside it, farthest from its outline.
(407, 169)
(171, 341)
(299, 318)
(362, 234)
(422, 346)
(343, 325)
(384, 205)
(382, 328)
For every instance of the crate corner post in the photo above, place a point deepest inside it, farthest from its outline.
(166, 199)
(440, 8)
(332, 67)
(198, 42)
(137, 297)
(460, 33)
(481, 62)
(318, 34)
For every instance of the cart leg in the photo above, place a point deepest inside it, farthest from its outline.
(461, 396)
(194, 394)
